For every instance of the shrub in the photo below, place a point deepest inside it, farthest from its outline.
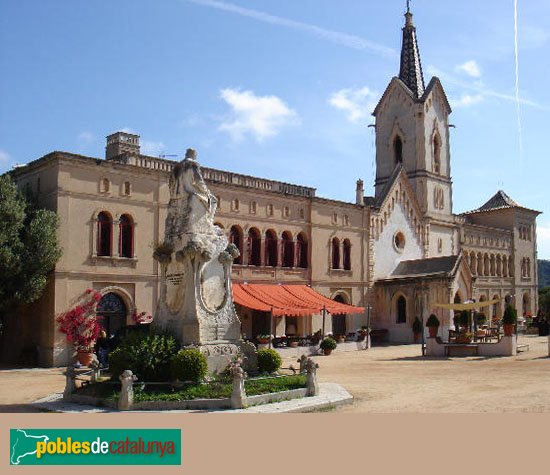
(147, 355)
(432, 321)
(328, 344)
(510, 316)
(269, 361)
(189, 365)
(480, 318)
(464, 318)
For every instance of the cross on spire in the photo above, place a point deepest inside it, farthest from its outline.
(408, 6)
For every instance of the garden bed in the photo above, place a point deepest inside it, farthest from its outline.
(194, 396)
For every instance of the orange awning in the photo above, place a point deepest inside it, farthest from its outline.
(292, 300)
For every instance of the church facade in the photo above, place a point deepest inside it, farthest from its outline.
(397, 253)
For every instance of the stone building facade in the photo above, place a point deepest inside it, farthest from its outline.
(397, 253)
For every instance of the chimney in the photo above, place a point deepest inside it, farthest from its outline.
(360, 193)
(121, 143)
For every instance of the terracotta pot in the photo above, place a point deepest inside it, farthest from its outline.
(433, 331)
(416, 337)
(85, 357)
(508, 329)
(327, 351)
(263, 341)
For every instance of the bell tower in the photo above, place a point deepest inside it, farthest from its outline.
(412, 131)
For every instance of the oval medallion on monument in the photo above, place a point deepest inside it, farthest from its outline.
(213, 285)
(175, 285)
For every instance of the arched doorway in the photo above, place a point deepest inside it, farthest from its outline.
(112, 310)
(339, 320)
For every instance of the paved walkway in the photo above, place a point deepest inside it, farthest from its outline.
(331, 395)
(381, 380)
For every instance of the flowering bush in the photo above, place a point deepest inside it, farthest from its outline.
(81, 324)
(141, 318)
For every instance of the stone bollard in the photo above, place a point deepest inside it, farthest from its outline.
(302, 360)
(312, 384)
(238, 395)
(95, 370)
(126, 399)
(69, 382)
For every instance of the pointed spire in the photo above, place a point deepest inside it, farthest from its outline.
(410, 71)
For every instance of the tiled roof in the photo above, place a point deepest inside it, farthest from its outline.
(500, 200)
(425, 267)
(410, 71)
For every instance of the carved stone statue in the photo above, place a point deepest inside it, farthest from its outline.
(196, 300)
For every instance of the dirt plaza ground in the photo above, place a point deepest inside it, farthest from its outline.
(386, 379)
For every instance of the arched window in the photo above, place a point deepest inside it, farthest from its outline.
(398, 150)
(288, 250)
(473, 264)
(301, 251)
(112, 311)
(526, 304)
(347, 254)
(126, 242)
(105, 185)
(437, 154)
(254, 243)
(236, 237)
(492, 260)
(479, 264)
(270, 248)
(104, 234)
(401, 310)
(339, 320)
(486, 265)
(335, 253)
(127, 190)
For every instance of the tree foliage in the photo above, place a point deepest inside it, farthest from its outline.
(544, 301)
(28, 245)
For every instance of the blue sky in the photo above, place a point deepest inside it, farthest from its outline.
(281, 89)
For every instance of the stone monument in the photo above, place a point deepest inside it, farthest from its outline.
(196, 301)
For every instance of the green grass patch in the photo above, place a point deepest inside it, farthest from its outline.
(254, 387)
(215, 390)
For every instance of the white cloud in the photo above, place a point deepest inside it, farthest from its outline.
(153, 149)
(4, 156)
(356, 103)
(480, 88)
(259, 116)
(343, 39)
(532, 37)
(470, 68)
(85, 137)
(467, 100)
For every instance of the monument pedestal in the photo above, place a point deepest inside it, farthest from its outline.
(196, 301)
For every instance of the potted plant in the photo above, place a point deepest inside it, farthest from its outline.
(263, 339)
(327, 345)
(481, 319)
(417, 329)
(293, 342)
(509, 319)
(464, 337)
(433, 325)
(81, 325)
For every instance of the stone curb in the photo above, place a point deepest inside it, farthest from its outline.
(330, 395)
